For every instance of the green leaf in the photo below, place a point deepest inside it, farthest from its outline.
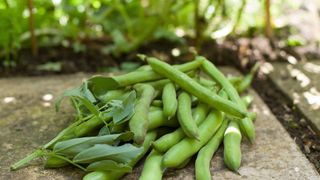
(82, 91)
(74, 146)
(123, 153)
(104, 131)
(109, 165)
(99, 85)
(122, 113)
(89, 105)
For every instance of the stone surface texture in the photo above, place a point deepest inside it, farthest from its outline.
(300, 83)
(28, 120)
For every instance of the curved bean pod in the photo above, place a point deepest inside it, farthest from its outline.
(149, 75)
(187, 147)
(138, 124)
(194, 88)
(185, 119)
(166, 141)
(247, 125)
(152, 167)
(202, 165)
(231, 143)
(169, 99)
(158, 119)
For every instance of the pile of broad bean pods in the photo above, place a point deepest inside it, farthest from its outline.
(169, 113)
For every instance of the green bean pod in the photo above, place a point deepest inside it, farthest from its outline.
(111, 95)
(169, 99)
(152, 167)
(248, 129)
(246, 123)
(202, 165)
(206, 82)
(218, 76)
(185, 118)
(166, 141)
(232, 150)
(247, 100)
(88, 126)
(160, 84)
(247, 80)
(138, 124)
(158, 119)
(235, 80)
(187, 147)
(157, 103)
(149, 75)
(194, 88)
(115, 175)
(184, 164)
(54, 162)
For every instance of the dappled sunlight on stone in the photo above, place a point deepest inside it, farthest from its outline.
(296, 98)
(266, 68)
(46, 104)
(300, 76)
(47, 97)
(9, 99)
(292, 60)
(313, 98)
(312, 68)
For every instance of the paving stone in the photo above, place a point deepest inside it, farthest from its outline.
(27, 121)
(301, 84)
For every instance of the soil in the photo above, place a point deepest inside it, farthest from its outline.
(241, 52)
(291, 119)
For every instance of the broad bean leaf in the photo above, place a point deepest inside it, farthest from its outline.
(82, 91)
(100, 85)
(104, 131)
(109, 165)
(89, 105)
(122, 113)
(123, 154)
(74, 146)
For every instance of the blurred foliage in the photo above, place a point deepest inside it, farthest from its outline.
(126, 24)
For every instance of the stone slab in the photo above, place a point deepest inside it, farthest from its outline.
(301, 84)
(28, 121)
